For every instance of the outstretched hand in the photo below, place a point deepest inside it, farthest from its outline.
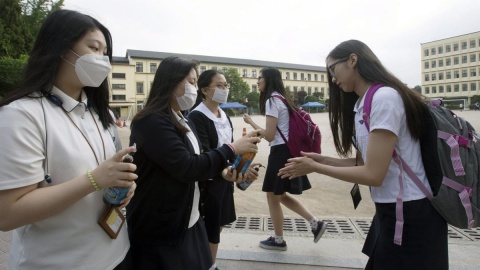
(298, 166)
(247, 144)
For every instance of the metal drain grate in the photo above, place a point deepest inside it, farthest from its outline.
(247, 223)
(339, 226)
(362, 225)
(290, 225)
(473, 233)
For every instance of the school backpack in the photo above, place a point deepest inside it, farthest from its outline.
(451, 158)
(303, 134)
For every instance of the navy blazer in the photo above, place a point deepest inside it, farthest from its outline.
(167, 170)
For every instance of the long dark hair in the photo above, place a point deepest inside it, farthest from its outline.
(273, 82)
(171, 71)
(60, 31)
(371, 69)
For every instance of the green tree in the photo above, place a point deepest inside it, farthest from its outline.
(238, 87)
(11, 72)
(311, 99)
(301, 97)
(418, 88)
(15, 37)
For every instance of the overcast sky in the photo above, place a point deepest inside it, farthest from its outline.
(293, 31)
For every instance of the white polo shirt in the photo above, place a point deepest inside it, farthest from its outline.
(71, 239)
(388, 113)
(276, 108)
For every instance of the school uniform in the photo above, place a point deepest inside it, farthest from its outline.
(424, 239)
(217, 205)
(164, 224)
(279, 153)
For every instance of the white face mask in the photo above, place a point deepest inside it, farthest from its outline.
(220, 95)
(91, 69)
(188, 99)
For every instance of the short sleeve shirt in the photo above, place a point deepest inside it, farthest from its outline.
(276, 108)
(34, 130)
(388, 113)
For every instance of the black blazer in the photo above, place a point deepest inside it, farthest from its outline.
(167, 170)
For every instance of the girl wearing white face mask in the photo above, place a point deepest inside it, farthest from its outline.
(164, 223)
(58, 151)
(214, 129)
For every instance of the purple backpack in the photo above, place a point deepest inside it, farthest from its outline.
(303, 134)
(451, 158)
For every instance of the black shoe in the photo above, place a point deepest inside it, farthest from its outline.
(317, 234)
(271, 244)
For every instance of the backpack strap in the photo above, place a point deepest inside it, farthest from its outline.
(285, 102)
(367, 103)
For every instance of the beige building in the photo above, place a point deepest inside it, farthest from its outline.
(132, 76)
(451, 68)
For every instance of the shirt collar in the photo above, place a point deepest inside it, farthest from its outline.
(69, 103)
(206, 111)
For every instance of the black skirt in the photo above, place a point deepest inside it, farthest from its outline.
(217, 207)
(424, 239)
(277, 159)
(192, 253)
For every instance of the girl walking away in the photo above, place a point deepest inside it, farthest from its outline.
(395, 124)
(279, 190)
(214, 129)
(58, 152)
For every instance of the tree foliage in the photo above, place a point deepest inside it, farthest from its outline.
(238, 87)
(311, 99)
(11, 72)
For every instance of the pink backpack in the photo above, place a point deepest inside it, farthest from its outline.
(303, 134)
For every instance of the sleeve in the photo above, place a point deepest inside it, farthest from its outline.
(21, 149)
(387, 111)
(271, 107)
(157, 136)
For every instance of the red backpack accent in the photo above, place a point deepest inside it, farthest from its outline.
(303, 134)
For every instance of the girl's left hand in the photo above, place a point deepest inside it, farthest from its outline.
(130, 194)
(297, 167)
(232, 176)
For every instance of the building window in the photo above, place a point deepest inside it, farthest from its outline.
(214, 68)
(464, 45)
(294, 75)
(456, 74)
(473, 72)
(139, 87)
(224, 69)
(448, 75)
(244, 72)
(302, 88)
(448, 48)
(118, 75)
(440, 76)
(427, 64)
(434, 64)
(202, 69)
(464, 87)
(295, 90)
(309, 90)
(117, 86)
(464, 59)
(448, 61)
(322, 90)
(455, 47)
(473, 58)
(322, 77)
(456, 88)
(309, 76)
(434, 89)
(254, 73)
(473, 86)
(472, 43)
(434, 77)
(425, 52)
(440, 50)
(153, 67)
(139, 67)
(315, 76)
(427, 90)
(449, 88)
(287, 75)
(464, 73)
(440, 89)
(316, 89)
(440, 63)
(119, 97)
(434, 51)
(302, 76)
(455, 60)
(254, 88)
(427, 77)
